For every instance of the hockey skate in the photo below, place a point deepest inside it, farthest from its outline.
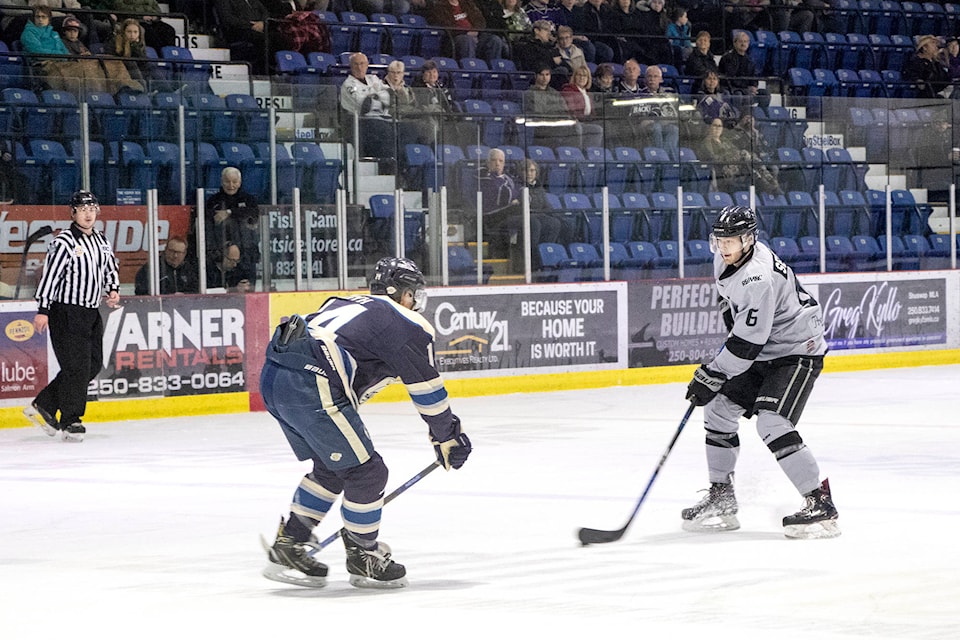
(717, 511)
(817, 518)
(73, 432)
(372, 568)
(42, 418)
(290, 561)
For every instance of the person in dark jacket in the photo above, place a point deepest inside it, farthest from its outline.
(177, 275)
(233, 216)
(926, 68)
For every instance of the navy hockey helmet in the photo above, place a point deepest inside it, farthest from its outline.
(393, 276)
(83, 198)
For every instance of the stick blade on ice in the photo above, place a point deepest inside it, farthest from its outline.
(598, 536)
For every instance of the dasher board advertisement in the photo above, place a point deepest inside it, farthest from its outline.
(550, 328)
(173, 346)
(23, 354)
(884, 313)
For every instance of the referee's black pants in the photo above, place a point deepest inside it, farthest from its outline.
(77, 337)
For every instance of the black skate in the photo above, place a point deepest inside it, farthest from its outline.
(372, 568)
(290, 561)
(73, 432)
(817, 518)
(717, 511)
(42, 418)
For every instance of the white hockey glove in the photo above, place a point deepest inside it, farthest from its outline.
(455, 451)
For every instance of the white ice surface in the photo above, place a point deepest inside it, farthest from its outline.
(150, 528)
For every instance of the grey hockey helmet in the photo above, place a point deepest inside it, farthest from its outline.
(83, 198)
(393, 276)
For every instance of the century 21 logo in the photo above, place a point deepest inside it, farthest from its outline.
(447, 320)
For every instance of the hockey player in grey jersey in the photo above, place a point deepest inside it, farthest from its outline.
(767, 367)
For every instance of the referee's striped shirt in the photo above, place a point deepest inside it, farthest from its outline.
(79, 269)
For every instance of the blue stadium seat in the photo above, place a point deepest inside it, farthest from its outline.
(588, 259)
(789, 251)
(254, 121)
(556, 264)
(319, 176)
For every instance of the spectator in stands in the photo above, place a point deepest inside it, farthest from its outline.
(502, 213)
(516, 20)
(406, 109)
(594, 19)
(747, 14)
(156, 33)
(603, 81)
(366, 96)
(546, 105)
(86, 72)
(574, 16)
(532, 54)
(738, 74)
(245, 21)
(654, 46)
(714, 103)
(951, 60)
(228, 270)
(177, 274)
(13, 20)
(625, 21)
(793, 15)
(39, 37)
(657, 121)
(582, 105)
(233, 216)
(925, 67)
(678, 31)
(552, 229)
(464, 19)
(726, 162)
(630, 80)
(571, 56)
(128, 43)
(700, 60)
(435, 101)
(745, 135)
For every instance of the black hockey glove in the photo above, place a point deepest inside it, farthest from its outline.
(704, 386)
(455, 451)
(727, 314)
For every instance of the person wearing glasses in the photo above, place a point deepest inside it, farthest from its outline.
(229, 272)
(177, 274)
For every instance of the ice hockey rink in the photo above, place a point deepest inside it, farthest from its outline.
(150, 528)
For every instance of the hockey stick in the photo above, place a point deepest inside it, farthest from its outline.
(396, 492)
(32, 238)
(599, 536)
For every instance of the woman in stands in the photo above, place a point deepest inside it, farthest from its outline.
(128, 43)
(582, 105)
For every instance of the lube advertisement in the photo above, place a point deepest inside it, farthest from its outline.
(530, 327)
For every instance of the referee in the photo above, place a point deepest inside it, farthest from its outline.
(79, 270)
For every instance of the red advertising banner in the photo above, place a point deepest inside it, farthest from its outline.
(125, 228)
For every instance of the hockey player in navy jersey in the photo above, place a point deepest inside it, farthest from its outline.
(318, 371)
(767, 367)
